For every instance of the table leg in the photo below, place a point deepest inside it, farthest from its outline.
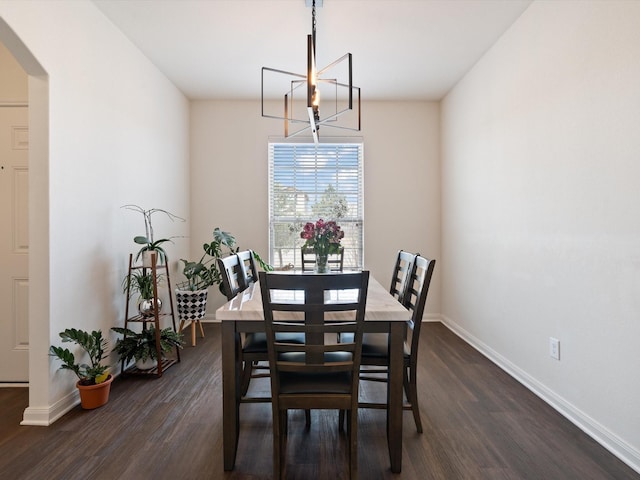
(230, 386)
(394, 395)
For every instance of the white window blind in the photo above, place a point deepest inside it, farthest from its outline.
(308, 182)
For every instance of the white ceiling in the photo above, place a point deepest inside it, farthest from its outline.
(402, 49)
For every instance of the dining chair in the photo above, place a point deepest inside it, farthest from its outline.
(375, 346)
(232, 276)
(248, 267)
(335, 261)
(253, 345)
(401, 271)
(315, 374)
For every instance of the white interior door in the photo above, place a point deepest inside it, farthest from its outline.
(14, 244)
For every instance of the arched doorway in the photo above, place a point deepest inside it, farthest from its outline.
(37, 413)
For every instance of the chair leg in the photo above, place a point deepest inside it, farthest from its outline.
(284, 428)
(411, 390)
(277, 434)
(280, 423)
(353, 443)
(341, 421)
(307, 419)
(246, 377)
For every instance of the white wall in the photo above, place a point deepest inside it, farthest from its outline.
(401, 175)
(541, 210)
(116, 132)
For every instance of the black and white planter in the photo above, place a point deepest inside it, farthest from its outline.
(191, 306)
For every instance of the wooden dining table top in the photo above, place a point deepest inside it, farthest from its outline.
(381, 306)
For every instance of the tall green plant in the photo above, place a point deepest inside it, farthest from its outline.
(204, 272)
(142, 346)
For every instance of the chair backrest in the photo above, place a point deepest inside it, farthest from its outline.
(314, 305)
(401, 272)
(248, 267)
(416, 298)
(335, 261)
(232, 278)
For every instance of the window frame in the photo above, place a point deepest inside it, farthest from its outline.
(328, 151)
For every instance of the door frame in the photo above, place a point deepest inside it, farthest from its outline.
(38, 412)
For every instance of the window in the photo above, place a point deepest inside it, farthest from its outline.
(308, 182)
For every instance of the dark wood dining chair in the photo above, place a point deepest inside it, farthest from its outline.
(401, 272)
(232, 277)
(248, 267)
(335, 261)
(316, 374)
(375, 346)
(253, 345)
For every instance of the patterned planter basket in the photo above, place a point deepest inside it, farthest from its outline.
(191, 305)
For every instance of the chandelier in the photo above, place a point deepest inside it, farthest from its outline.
(303, 92)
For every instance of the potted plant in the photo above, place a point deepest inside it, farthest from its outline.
(94, 380)
(141, 282)
(191, 295)
(149, 244)
(143, 348)
(204, 272)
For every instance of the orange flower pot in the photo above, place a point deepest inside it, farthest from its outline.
(94, 396)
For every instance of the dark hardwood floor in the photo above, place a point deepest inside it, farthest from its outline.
(479, 423)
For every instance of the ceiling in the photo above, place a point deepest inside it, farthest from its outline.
(402, 49)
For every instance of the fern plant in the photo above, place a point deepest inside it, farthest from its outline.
(142, 346)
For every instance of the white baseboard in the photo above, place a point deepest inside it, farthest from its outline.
(45, 416)
(614, 444)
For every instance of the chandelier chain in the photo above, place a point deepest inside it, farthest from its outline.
(313, 22)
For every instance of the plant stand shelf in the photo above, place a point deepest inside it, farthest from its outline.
(166, 363)
(155, 271)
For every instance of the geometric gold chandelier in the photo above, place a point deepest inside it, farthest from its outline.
(330, 87)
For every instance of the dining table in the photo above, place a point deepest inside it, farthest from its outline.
(244, 314)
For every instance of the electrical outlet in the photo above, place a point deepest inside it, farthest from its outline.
(554, 348)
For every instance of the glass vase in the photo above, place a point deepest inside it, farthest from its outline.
(321, 263)
(147, 307)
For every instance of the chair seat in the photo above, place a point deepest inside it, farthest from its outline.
(256, 342)
(321, 383)
(375, 345)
